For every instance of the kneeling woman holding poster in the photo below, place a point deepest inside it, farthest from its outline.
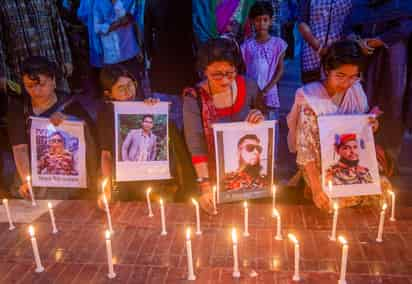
(326, 116)
(224, 96)
(55, 131)
(140, 148)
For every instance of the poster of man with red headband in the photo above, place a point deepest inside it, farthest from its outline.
(349, 165)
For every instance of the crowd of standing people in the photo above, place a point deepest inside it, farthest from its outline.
(215, 61)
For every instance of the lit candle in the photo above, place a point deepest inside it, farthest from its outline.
(39, 266)
(214, 200)
(33, 201)
(246, 232)
(236, 272)
(196, 204)
(273, 197)
(191, 275)
(278, 236)
(381, 222)
(111, 273)
(104, 183)
(6, 206)
(330, 188)
(162, 218)
(53, 221)
(344, 261)
(149, 205)
(296, 276)
(392, 205)
(109, 217)
(332, 237)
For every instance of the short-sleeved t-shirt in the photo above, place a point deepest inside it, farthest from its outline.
(261, 61)
(21, 109)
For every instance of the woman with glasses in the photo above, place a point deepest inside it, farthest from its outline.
(339, 93)
(120, 86)
(223, 96)
(42, 99)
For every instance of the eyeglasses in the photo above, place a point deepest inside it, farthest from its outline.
(56, 140)
(344, 78)
(252, 147)
(148, 121)
(39, 83)
(127, 87)
(220, 75)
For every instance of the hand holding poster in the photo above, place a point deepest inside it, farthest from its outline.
(142, 141)
(58, 154)
(244, 159)
(348, 156)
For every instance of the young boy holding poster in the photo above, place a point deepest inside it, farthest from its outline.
(119, 85)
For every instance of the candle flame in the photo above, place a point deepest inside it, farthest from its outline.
(214, 188)
(188, 234)
(161, 201)
(31, 231)
(107, 234)
(335, 206)
(5, 201)
(28, 178)
(330, 186)
(275, 212)
(234, 235)
(274, 188)
(194, 202)
(293, 238)
(104, 183)
(384, 206)
(342, 240)
(149, 190)
(245, 204)
(49, 205)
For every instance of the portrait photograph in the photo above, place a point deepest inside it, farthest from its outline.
(58, 153)
(141, 141)
(142, 137)
(244, 158)
(348, 156)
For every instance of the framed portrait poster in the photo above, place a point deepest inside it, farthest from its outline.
(58, 154)
(244, 160)
(142, 141)
(348, 156)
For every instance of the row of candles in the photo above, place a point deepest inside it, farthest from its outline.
(191, 276)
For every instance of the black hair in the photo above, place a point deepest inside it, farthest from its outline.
(248, 136)
(219, 49)
(110, 74)
(58, 133)
(341, 53)
(261, 8)
(34, 66)
(147, 115)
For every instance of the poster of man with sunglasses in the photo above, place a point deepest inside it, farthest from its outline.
(245, 162)
(58, 154)
(57, 159)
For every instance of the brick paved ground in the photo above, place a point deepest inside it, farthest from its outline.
(77, 253)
